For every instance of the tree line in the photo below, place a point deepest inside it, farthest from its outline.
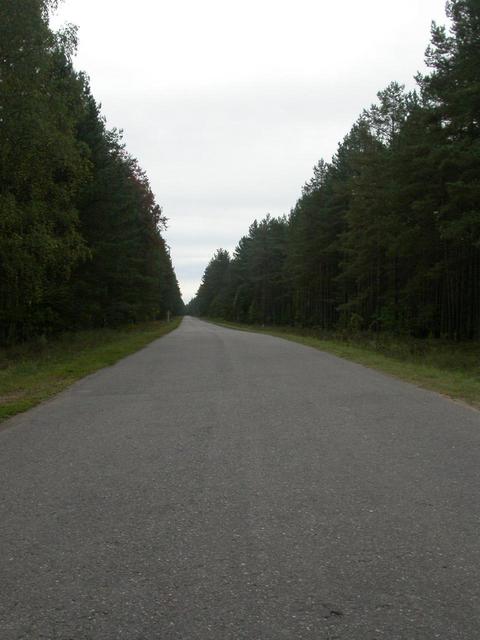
(80, 231)
(385, 236)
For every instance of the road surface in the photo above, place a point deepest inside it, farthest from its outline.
(224, 485)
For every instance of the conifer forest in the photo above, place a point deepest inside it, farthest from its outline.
(385, 236)
(81, 241)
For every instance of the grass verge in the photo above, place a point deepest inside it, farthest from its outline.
(448, 368)
(32, 372)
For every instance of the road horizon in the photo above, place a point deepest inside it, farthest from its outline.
(228, 485)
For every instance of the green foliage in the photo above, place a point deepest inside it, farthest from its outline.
(80, 232)
(212, 293)
(250, 285)
(385, 237)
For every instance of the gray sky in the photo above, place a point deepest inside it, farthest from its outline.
(228, 105)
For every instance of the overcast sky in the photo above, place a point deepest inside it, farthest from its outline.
(228, 105)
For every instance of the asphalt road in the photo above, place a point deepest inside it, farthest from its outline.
(224, 485)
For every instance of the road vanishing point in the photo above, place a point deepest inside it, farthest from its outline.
(224, 485)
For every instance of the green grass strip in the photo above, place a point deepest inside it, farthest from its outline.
(32, 372)
(445, 367)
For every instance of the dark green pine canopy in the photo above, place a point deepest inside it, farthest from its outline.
(80, 232)
(387, 235)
